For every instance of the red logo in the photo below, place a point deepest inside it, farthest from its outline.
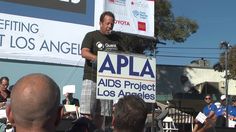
(122, 22)
(142, 26)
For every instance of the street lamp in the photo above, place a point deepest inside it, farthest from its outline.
(225, 45)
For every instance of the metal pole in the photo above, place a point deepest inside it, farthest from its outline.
(153, 110)
(226, 84)
(225, 45)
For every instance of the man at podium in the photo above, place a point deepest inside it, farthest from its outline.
(98, 40)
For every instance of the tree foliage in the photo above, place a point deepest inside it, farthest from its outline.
(167, 27)
(231, 62)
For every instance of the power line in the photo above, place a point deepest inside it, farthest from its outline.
(177, 56)
(189, 48)
(190, 52)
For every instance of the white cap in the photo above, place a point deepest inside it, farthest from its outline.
(223, 97)
(217, 104)
(68, 89)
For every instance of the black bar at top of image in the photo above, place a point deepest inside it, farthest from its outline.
(77, 6)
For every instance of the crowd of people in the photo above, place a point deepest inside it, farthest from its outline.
(44, 111)
(35, 106)
(217, 113)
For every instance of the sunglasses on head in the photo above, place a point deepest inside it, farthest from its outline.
(207, 98)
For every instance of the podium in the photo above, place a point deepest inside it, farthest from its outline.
(120, 74)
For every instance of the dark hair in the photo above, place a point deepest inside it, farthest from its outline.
(130, 114)
(208, 95)
(107, 13)
(4, 78)
(82, 124)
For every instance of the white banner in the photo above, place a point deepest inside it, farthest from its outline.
(122, 74)
(46, 32)
(133, 16)
(40, 40)
(53, 31)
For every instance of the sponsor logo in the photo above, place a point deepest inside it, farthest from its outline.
(139, 3)
(118, 2)
(106, 46)
(100, 45)
(140, 14)
(110, 45)
(135, 13)
(122, 22)
(142, 26)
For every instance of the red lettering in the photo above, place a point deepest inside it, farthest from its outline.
(121, 22)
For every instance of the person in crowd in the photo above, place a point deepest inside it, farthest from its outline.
(210, 108)
(4, 93)
(220, 112)
(209, 111)
(222, 106)
(98, 40)
(35, 104)
(129, 114)
(232, 109)
(70, 100)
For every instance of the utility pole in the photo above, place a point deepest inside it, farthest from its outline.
(225, 45)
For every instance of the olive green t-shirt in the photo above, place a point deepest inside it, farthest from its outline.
(96, 41)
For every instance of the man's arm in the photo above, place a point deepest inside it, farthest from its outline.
(85, 52)
(211, 114)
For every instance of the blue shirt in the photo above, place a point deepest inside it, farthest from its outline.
(232, 111)
(221, 110)
(207, 109)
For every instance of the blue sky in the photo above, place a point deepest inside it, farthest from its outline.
(216, 20)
